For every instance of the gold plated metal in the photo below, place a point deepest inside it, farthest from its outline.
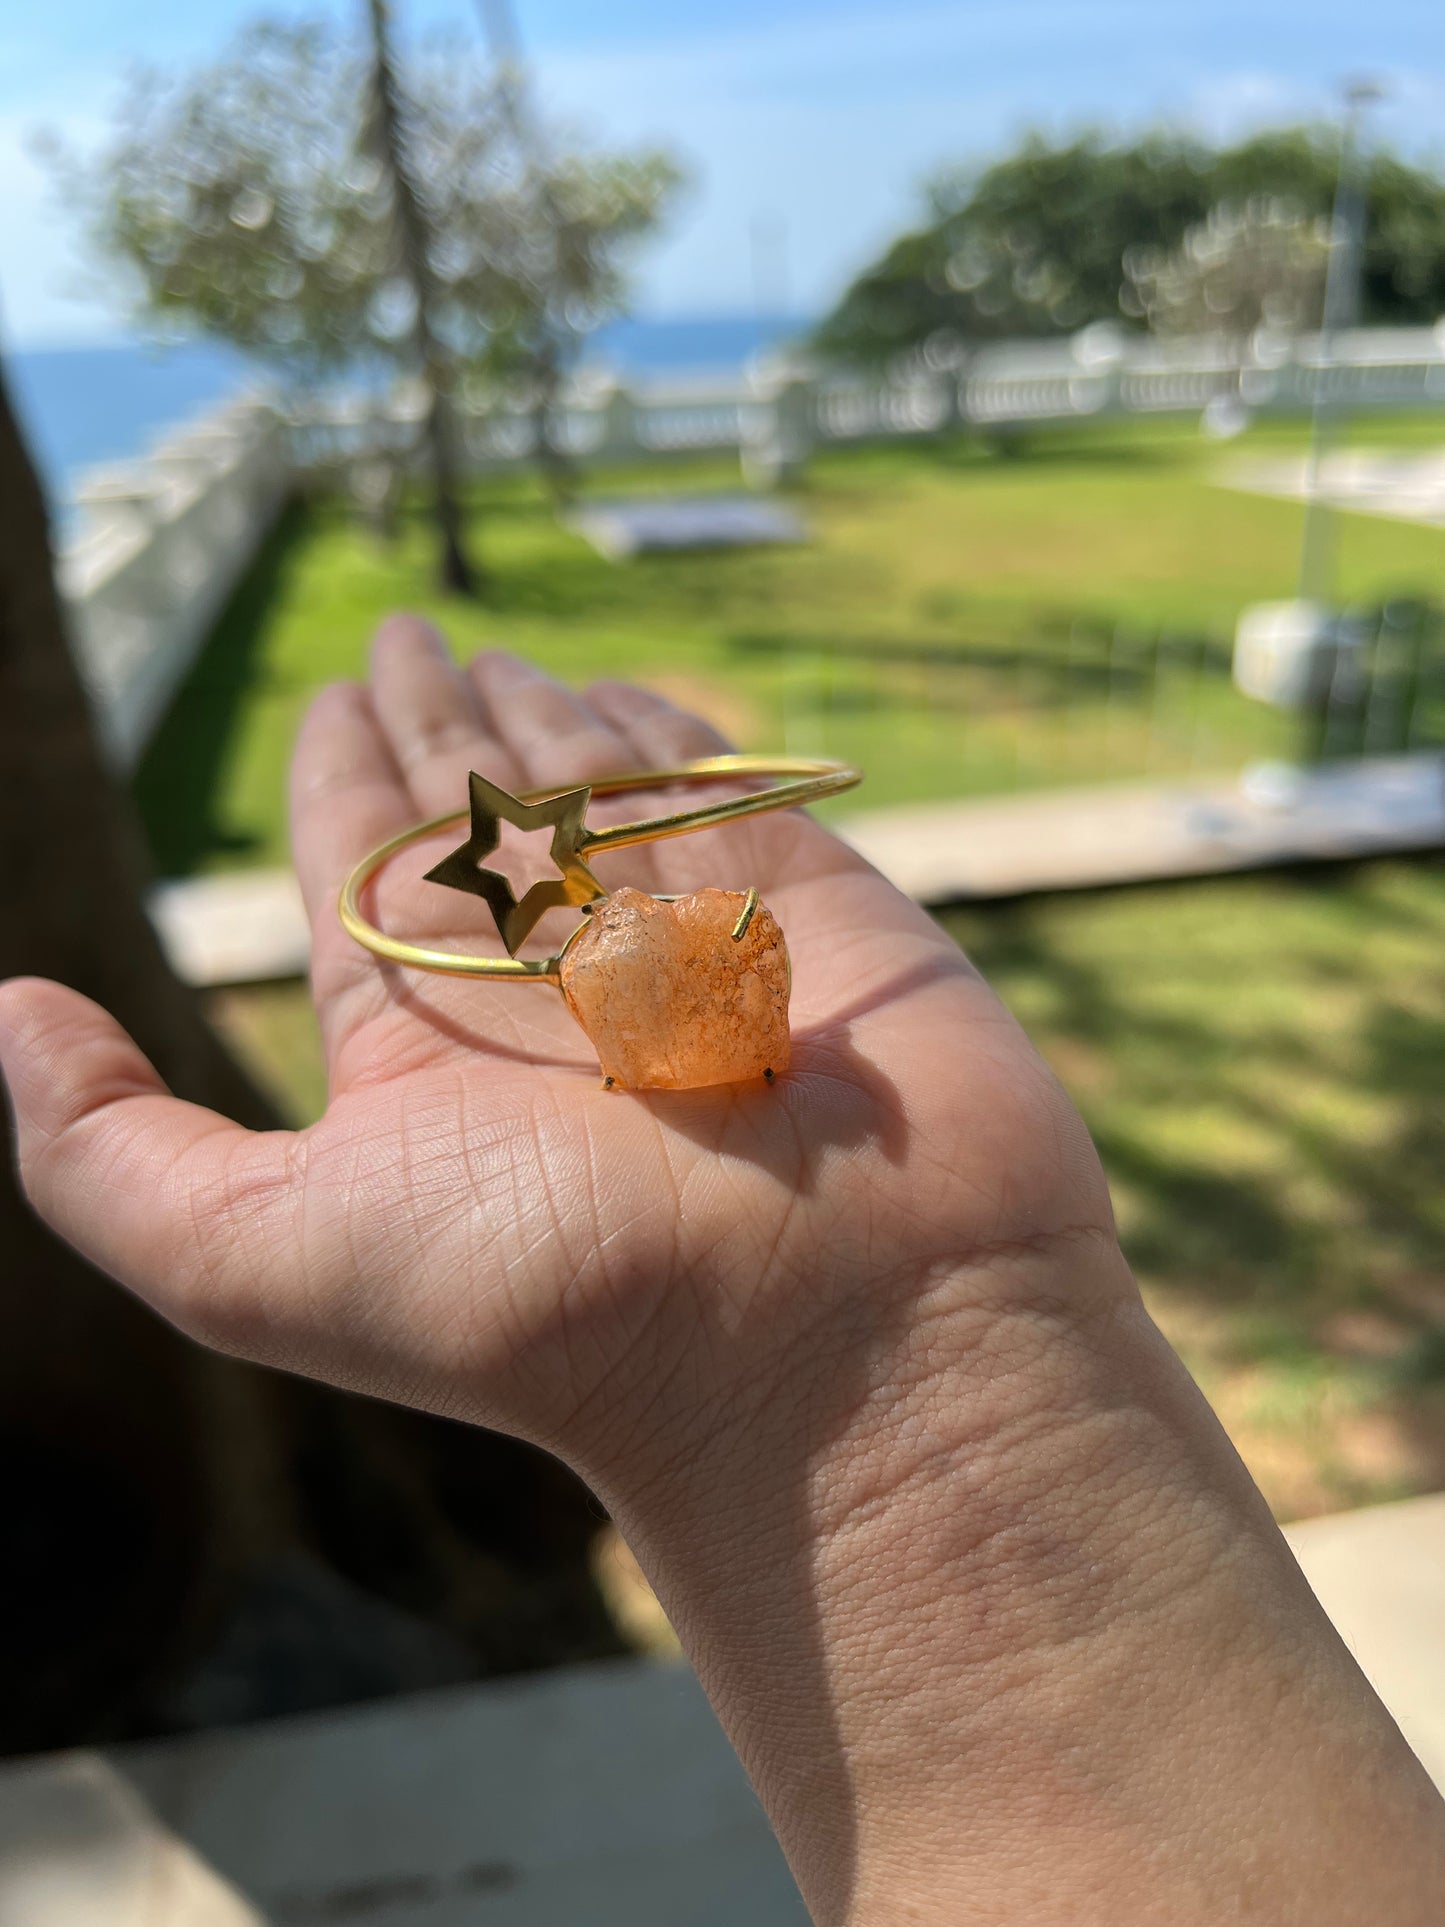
(808, 781)
(491, 806)
(740, 928)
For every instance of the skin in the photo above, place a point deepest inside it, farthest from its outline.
(980, 1591)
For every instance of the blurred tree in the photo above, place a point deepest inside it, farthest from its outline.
(564, 227)
(1262, 265)
(107, 1490)
(560, 231)
(337, 212)
(386, 134)
(1035, 244)
(273, 200)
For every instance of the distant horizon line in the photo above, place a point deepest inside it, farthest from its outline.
(137, 338)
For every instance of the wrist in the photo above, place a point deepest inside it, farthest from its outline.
(981, 1568)
(882, 1514)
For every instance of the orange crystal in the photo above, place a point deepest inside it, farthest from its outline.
(671, 999)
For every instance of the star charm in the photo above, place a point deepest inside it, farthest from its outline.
(491, 807)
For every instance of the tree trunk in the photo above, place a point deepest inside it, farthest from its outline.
(413, 241)
(556, 466)
(559, 471)
(100, 1404)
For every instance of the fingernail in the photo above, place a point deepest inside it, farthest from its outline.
(501, 666)
(403, 629)
(342, 694)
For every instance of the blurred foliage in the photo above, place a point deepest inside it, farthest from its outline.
(961, 622)
(555, 236)
(1262, 265)
(1036, 244)
(251, 200)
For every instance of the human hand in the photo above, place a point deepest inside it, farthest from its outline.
(474, 1226)
(978, 1588)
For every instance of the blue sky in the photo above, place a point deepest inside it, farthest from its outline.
(820, 119)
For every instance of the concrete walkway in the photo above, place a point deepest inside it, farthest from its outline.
(241, 927)
(605, 1796)
(1406, 488)
(250, 927)
(1380, 1574)
(1150, 832)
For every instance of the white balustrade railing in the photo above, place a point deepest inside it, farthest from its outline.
(775, 414)
(160, 543)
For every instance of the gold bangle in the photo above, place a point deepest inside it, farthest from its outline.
(572, 843)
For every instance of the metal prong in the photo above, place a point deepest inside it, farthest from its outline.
(740, 928)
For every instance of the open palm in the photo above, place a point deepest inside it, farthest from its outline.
(475, 1225)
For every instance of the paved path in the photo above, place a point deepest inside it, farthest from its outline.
(1407, 488)
(1380, 1574)
(250, 927)
(1148, 832)
(605, 1796)
(241, 928)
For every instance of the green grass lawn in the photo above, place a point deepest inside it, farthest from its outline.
(1261, 1061)
(962, 622)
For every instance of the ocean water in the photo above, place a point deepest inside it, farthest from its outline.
(83, 406)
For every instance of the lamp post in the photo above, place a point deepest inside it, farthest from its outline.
(1341, 310)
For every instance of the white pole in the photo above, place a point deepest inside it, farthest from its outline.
(1341, 310)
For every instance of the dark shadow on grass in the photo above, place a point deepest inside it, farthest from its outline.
(987, 452)
(1021, 451)
(181, 775)
(1241, 1243)
(1236, 1238)
(1045, 632)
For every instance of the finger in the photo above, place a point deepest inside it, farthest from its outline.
(347, 795)
(430, 715)
(656, 731)
(555, 735)
(788, 847)
(148, 1188)
(658, 734)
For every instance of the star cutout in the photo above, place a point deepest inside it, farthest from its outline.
(491, 807)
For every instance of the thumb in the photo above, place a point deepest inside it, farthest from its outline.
(150, 1189)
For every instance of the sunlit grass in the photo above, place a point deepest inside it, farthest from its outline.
(1261, 1060)
(961, 622)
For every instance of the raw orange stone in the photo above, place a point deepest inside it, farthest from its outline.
(668, 997)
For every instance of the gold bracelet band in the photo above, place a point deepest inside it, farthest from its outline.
(809, 781)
